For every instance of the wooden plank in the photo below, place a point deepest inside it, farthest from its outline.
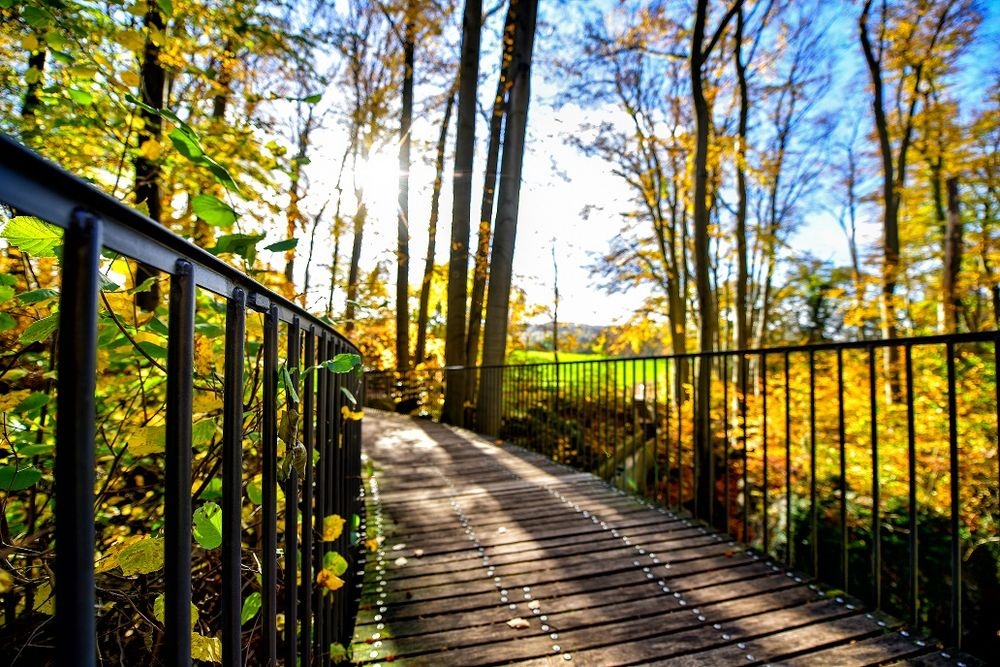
(598, 577)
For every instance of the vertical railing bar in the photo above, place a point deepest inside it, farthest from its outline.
(956, 546)
(292, 494)
(813, 519)
(789, 552)
(680, 435)
(232, 479)
(319, 620)
(177, 473)
(763, 381)
(842, 484)
(694, 430)
(75, 433)
(332, 491)
(725, 445)
(667, 435)
(269, 500)
(642, 438)
(876, 472)
(308, 433)
(656, 428)
(746, 447)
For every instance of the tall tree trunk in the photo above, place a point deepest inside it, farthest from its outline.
(742, 278)
(425, 284)
(147, 172)
(502, 255)
(481, 270)
(458, 262)
(293, 214)
(952, 259)
(337, 230)
(360, 218)
(403, 211)
(702, 434)
(700, 52)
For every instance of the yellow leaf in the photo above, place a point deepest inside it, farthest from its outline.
(372, 545)
(150, 149)
(10, 400)
(30, 42)
(131, 40)
(205, 402)
(6, 581)
(205, 648)
(109, 560)
(351, 415)
(32, 75)
(130, 79)
(148, 440)
(45, 601)
(328, 580)
(333, 526)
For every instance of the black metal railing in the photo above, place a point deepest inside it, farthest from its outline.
(99, 229)
(871, 466)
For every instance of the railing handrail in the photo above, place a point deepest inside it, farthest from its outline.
(825, 346)
(36, 186)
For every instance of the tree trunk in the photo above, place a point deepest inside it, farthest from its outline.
(147, 172)
(742, 279)
(950, 298)
(425, 285)
(403, 211)
(36, 63)
(458, 262)
(502, 255)
(481, 270)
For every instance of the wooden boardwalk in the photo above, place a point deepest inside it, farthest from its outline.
(492, 555)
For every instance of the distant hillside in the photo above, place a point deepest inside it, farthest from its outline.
(572, 337)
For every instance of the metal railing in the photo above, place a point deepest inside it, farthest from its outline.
(871, 466)
(95, 224)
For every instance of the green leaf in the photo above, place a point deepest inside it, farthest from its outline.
(202, 432)
(108, 285)
(166, 6)
(36, 17)
(40, 449)
(349, 395)
(81, 97)
(40, 330)
(250, 607)
(14, 479)
(214, 211)
(159, 606)
(33, 235)
(342, 363)
(186, 143)
(335, 562)
(6, 293)
(37, 295)
(221, 174)
(244, 245)
(338, 653)
(142, 557)
(213, 490)
(207, 528)
(254, 492)
(286, 381)
(313, 99)
(7, 322)
(34, 401)
(282, 246)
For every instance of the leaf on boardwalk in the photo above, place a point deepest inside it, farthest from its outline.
(518, 623)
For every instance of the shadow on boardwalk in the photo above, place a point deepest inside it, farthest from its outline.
(493, 555)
